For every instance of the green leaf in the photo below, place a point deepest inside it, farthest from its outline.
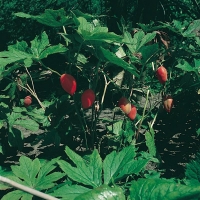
(157, 189)
(39, 44)
(52, 50)
(104, 37)
(84, 28)
(198, 132)
(103, 192)
(5, 172)
(87, 174)
(27, 170)
(36, 174)
(41, 49)
(16, 195)
(115, 127)
(138, 36)
(47, 167)
(150, 142)
(48, 181)
(28, 62)
(192, 172)
(53, 18)
(13, 117)
(70, 192)
(112, 58)
(148, 53)
(28, 124)
(193, 29)
(128, 40)
(15, 138)
(78, 13)
(13, 55)
(91, 33)
(147, 38)
(132, 167)
(20, 46)
(185, 66)
(12, 90)
(115, 163)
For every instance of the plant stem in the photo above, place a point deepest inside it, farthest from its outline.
(49, 68)
(82, 126)
(26, 189)
(30, 78)
(143, 115)
(102, 100)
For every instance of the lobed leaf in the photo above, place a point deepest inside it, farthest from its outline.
(27, 170)
(133, 167)
(115, 163)
(165, 189)
(53, 18)
(70, 192)
(16, 195)
(112, 58)
(87, 174)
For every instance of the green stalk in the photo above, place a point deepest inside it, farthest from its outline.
(49, 68)
(82, 126)
(143, 115)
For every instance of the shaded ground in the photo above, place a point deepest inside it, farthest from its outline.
(176, 140)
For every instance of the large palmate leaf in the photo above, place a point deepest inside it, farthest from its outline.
(53, 18)
(138, 40)
(36, 174)
(21, 53)
(41, 48)
(90, 32)
(89, 174)
(115, 163)
(103, 192)
(157, 189)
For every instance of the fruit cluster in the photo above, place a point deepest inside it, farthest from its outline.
(129, 109)
(69, 84)
(161, 74)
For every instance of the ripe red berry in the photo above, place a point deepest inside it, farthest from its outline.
(132, 113)
(68, 83)
(161, 74)
(87, 98)
(125, 105)
(27, 101)
(168, 103)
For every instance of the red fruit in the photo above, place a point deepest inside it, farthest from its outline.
(125, 105)
(168, 103)
(27, 101)
(68, 83)
(87, 98)
(161, 74)
(132, 113)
